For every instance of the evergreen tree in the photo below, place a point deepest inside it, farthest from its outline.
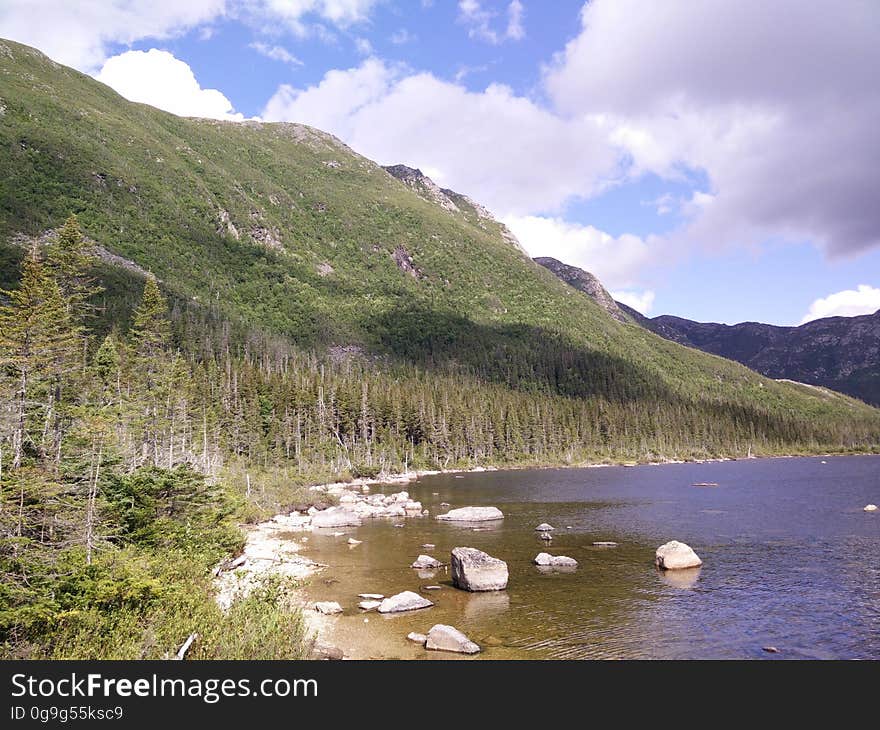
(69, 261)
(38, 343)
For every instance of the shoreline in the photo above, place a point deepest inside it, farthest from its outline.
(272, 550)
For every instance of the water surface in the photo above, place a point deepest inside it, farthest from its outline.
(790, 560)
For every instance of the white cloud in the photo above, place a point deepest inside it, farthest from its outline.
(276, 53)
(480, 21)
(158, 78)
(363, 46)
(777, 103)
(515, 29)
(642, 302)
(79, 33)
(617, 261)
(848, 303)
(504, 150)
(295, 14)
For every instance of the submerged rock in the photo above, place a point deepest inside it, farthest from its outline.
(426, 561)
(371, 596)
(447, 638)
(675, 555)
(328, 608)
(406, 601)
(561, 561)
(546, 536)
(472, 514)
(604, 543)
(474, 570)
(352, 541)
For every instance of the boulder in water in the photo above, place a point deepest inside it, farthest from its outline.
(474, 570)
(675, 555)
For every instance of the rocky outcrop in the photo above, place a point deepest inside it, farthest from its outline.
(584, 282)
(335, 517)
(474, 570)
(472, 514)
(676, 555)
(447, 638)
(406, 601)
(555, 561)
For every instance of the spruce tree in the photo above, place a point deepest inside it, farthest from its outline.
(38, 345)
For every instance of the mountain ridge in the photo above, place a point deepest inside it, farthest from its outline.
(288, 231)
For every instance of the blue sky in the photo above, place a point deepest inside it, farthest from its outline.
(707, 160)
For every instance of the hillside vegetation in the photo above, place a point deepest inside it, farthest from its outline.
(238, 310)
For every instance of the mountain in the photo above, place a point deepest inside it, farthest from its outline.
(584, 281)
(281, 246)
(840, 353)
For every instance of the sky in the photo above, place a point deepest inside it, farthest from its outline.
(715, 160)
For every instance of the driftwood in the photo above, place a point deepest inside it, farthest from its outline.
(181, 652)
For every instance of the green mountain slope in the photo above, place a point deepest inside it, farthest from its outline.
(285, 230)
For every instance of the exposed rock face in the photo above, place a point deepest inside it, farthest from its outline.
(447, 638)
(676, 555)
(840, 353)
(335, 517)
(556, 561)
(328, 608)
(472, 514)
(406, 601)
(584, 282)
(450, 200)
(426, 561)
(474, 570)
(404, 262)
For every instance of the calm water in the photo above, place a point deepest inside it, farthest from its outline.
(789, 560)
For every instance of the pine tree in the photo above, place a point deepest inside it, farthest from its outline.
(69, 261)
(151, 331)
(38, 344)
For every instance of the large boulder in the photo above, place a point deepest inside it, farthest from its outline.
(556, 561)
(472, 514)
(425, 562)
(474, 570)
(406, 601)
(335, 517)
(447, 638)
(675, 555)
(328, 608)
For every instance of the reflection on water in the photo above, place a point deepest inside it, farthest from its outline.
(790, 560)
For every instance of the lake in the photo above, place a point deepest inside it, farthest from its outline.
(790, 560)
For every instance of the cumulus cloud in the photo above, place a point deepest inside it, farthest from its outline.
(848, 303)
(617, 261)
(158, 78)
(777, 102)
(642, 301)
(504, 150)
(79, 33)
(481, 22)
(276, 53)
